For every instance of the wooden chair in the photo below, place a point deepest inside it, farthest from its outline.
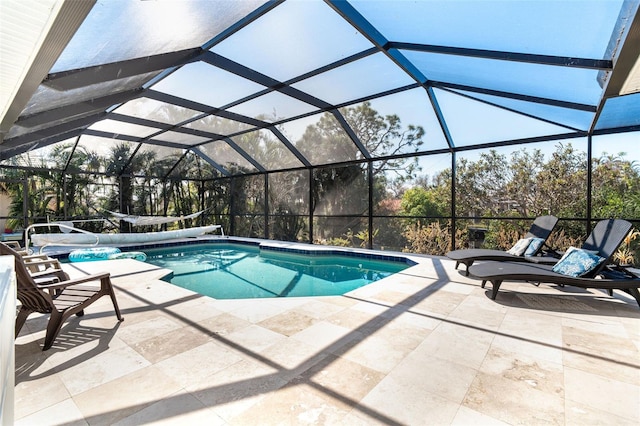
(66, 297)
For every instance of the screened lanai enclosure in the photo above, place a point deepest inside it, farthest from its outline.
(395, 125)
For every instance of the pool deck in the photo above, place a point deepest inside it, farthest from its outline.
(425, 346)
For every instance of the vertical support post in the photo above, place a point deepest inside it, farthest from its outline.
(121, 203)
(65, 193)
(589, 181)
(151, 209)
(121, 197)
(370, 222)
(311, 206)
(232, 207)
(266, 205)
(25, 203)
(165, 201)
(453, 200)
(201, 218)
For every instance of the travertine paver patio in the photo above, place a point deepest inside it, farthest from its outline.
(426, 346)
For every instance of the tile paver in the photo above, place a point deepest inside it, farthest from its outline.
(433, 349)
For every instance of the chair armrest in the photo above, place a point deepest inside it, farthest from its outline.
(35, 256)
(551, 252)
(47, 276)
(42, 262)
(13, 244)
(44, 266)
(50, 271)
(620, 271)
(93, 277)
(46, 280)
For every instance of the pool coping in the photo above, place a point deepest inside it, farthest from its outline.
(267, 245)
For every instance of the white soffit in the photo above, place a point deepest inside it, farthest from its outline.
(23, 28)
(628, 60)
(33, 33)
(632, 83)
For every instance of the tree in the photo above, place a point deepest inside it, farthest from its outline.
(247, 205)
(122, 198)
(343, 190)
(288, 205)
(562, 183)
(615, 187)
(522, 185)
(384, 137)
(40, 191)
(481, 185)
(420, 202)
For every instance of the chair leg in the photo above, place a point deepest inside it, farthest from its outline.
(112, 294)
(21, 319)
(495, 286)
(53, 328)
(107, 288)
(467, 264)
(635, 293)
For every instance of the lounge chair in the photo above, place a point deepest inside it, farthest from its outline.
(604, 240)
(66, 297)
(542, 228)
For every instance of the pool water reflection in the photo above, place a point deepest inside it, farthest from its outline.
(235, 271)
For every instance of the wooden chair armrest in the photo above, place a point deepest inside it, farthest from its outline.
(54, 262)
(50, 271)
(47, 267)
(46, 280)
(93, 277)
(13, 244)
(35, 256)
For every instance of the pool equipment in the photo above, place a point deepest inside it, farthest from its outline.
(92, 254)
(135, 255)
(84, 237)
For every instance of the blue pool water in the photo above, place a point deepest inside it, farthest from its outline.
(234, 271)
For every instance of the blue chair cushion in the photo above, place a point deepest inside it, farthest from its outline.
(534, 246)
(577, 262)
(519, 248)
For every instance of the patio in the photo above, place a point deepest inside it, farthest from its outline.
(426, 346)
(382, 125)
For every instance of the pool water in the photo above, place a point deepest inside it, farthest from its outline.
(226, 271)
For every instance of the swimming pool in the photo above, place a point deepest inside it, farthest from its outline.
(237, 271)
